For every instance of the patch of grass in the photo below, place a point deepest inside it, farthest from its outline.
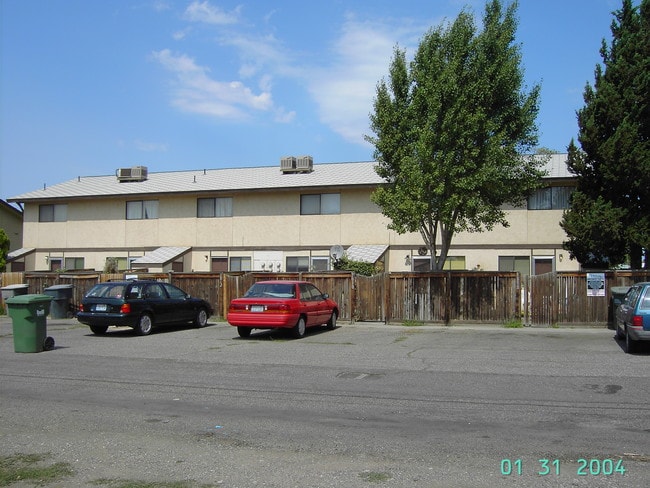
(412, 323)
(513, 324)
(32, 468)
(374, 477)
(149, 484)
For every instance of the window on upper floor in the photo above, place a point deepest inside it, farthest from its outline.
(214, 207)
(142, 209)
(551, 198)
(320, 204)
(53, 213)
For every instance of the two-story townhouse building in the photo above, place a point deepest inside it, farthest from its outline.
(11, 221)
(290, 217)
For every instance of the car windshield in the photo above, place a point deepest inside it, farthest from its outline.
(275, 290)
(107, 290)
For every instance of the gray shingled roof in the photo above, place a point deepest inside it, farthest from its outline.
(230, 180)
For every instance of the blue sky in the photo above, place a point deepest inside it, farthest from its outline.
(87, 87)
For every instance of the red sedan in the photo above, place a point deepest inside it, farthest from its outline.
(293, 305)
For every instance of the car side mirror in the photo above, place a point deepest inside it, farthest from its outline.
(326, 296)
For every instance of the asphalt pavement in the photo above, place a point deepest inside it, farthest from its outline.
(363, 405)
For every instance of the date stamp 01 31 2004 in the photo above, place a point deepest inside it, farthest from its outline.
(552, 467)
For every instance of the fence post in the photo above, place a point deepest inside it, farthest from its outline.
(448, 298)
(387, 301)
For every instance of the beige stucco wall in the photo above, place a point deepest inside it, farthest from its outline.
(97, 228)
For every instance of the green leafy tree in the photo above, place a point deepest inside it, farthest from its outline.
(4, 249)
(450, 131)
(609, 219)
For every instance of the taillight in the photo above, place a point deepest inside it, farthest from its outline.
(278, 307)
(81, 307)
(125, 308)
(637, 321)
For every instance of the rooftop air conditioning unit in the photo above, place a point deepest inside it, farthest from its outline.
(288, 164)
(134, 173)
(305, 164)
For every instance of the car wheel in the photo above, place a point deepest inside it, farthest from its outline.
(99, 329)
(630, 344)
(618, 335)
(331, 323)
(244, 331)
(299, 328)
(201, 318)
(144, 325)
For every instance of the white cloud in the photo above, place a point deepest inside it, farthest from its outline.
(344, 91)
(207, 13)
(195, 91)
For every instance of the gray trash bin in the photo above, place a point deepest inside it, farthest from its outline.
(11, 291)
(61, 297)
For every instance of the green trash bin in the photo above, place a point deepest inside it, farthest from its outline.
(29, 318)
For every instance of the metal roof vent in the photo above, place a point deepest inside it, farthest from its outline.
(301, 164)
(134, 173)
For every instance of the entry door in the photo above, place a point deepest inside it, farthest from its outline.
(219, 265)
(542, 265)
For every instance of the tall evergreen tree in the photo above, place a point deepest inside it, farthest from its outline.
(451, 128)
(609, 219)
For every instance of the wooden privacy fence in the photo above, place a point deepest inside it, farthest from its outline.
(562, 298)
(391, 297)
(445, 297)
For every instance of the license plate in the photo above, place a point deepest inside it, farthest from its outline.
(100, 307)
(257, 308)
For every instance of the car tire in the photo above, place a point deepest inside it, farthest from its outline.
(300, 328)
(99, 329)
(331, 323)
(630, 344)
(618, 335)
(201, 319)
(244, 332)
(144, 325)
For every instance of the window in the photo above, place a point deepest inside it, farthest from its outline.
(298, 263)
(309, 293)
(240, 264)
(173, 292)
(454, 263)
(423, 264)
(324, 204)
(142, 209)
(52, 213)
(515, 263)
(74, 263)
(115, 264)
(214, 207)
(320, 264)
(552, 198)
